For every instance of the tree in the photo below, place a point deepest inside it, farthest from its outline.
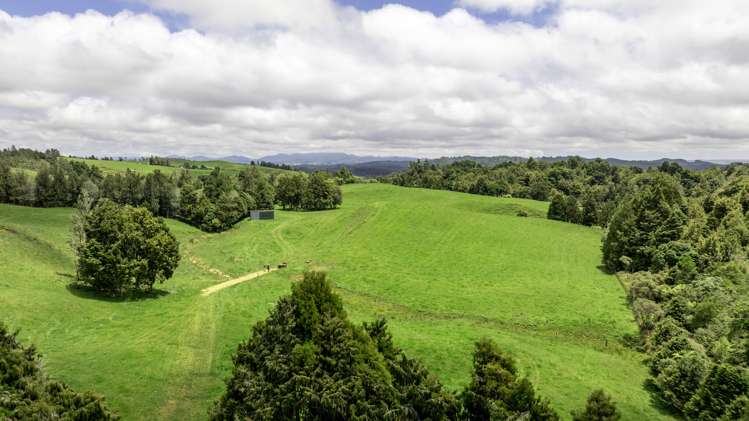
(651, 215)
(344, 176)
(86, 200)
(681, 376)
(415, 384)
(600, 407)
(5, 182)
(724, 383)
(557, 208)
(321, 193)
(160, 194)
(217, 183)
(495, 392)
(125, 249)
(257, 185)
(308, 361)
(26, 393)
(290, 190)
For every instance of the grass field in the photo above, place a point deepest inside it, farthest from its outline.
(141, 167)
(444, 268)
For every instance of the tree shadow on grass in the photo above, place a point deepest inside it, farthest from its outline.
(86, 292)
(605, 270)
(656, 402)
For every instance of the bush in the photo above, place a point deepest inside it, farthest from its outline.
(495, 391)
(125, 249)
(600, 407)
(26, 393)
(681, 376)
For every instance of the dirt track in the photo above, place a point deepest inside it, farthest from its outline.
(218, 287)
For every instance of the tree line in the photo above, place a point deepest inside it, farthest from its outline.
(308, 361)
(682, 251)
(212, 202)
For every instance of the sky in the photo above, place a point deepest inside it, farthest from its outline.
(610, 78)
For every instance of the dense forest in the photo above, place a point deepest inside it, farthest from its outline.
(678, 240)
(213, 202)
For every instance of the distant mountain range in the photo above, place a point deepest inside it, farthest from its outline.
(329, 159)
(314, 158)
(377, 166)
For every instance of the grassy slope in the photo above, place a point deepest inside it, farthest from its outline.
(444, 268)
(143, 167)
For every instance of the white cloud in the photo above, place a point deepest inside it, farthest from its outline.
(238, 14)
(517, 7)
(610, 77)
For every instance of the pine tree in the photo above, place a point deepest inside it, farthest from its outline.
(600, 407)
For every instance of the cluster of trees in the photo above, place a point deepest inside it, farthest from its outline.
(26, 393)
(212, 202)
(314, 192)
(267, 164)
(308, 361)
(345, 176)
(157, 160)
(680, 240)
(581, 191)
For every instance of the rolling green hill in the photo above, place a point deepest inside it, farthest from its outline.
(144, 168)
(444, 268)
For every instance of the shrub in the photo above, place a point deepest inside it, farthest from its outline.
(600, 407)
(495, 391)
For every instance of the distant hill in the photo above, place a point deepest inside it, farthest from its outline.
(730, 161)
(364, 169)
(644, 164)
(236, 159)
(375, 166)
(329, 158)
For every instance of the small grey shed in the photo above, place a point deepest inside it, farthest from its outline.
(262, 214)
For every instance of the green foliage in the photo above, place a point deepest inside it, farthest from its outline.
(258, 186)
(600, 407)
(125, 249)
(321, 193)
(496, 392)
(26, 393)
(307, 361)
(344, 176)
(681, 376)
(290, 191)
(583, 192)
(652, 215)
(213, 202)
(722, 386)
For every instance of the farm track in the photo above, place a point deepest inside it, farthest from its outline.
(230, 283)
